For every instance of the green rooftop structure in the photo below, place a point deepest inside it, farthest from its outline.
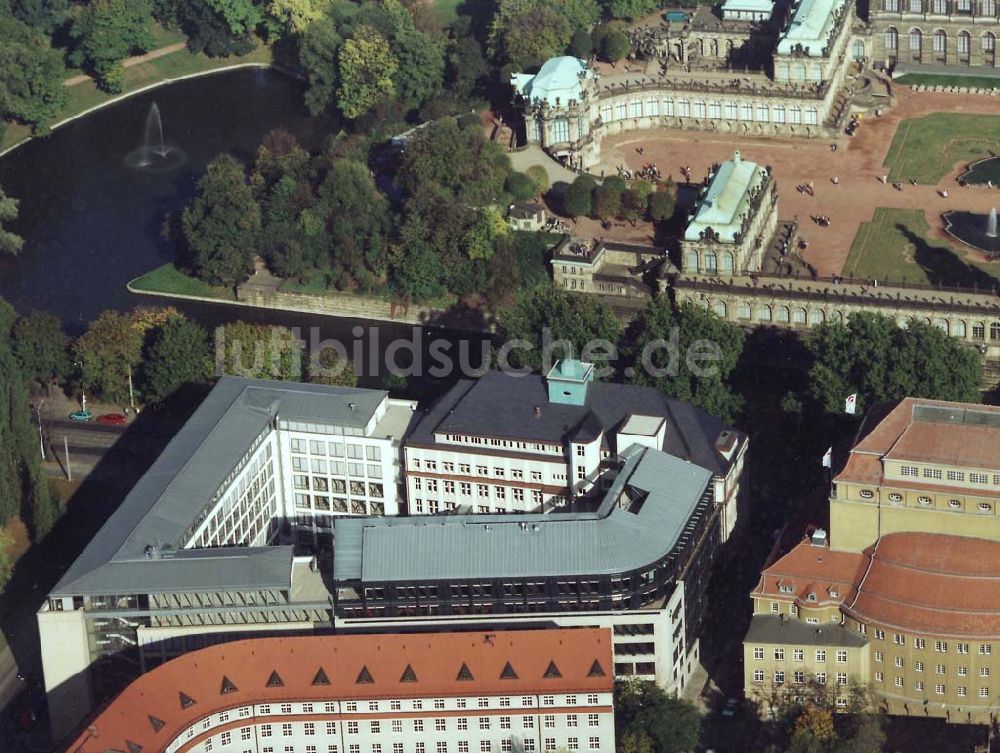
(811, 27)
(727, 200)
(558, 82)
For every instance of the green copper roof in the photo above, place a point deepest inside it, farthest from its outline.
(727, 199)
(558, 81)
(754, 6)
(810, 27)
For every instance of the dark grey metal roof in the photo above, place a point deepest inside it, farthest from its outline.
(503, 405)
(611, 540)
(774, 629)
(165, 501)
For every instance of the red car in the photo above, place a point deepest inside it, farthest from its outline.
(112, 419)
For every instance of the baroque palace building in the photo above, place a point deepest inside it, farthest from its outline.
(793, 90)
(961, 33)
(903, 599)
(528, 691)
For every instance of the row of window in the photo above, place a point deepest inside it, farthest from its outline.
(941, 7)
(550, 449)
(798, 677)
(350, 450)
(941, 669)
(939, 41)
(937, 474)
(941, 647)
(440, 724)
(940, 688)
(801, 315)
(798, 654)
(713, 110)
(463, 746)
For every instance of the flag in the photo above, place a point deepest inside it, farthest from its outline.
(828, 458)
(851, 404)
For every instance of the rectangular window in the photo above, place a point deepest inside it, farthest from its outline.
(821, 655)
(798, 654)
(841, 656)
(758, 652)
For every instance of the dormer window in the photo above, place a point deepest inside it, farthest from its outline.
(925, 501)
(834, 592)
(866, 494)
(895, 497)
(811, 597)
(985, 507)
(954, 504)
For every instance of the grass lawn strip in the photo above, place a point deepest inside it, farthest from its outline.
(928, 148)
(169, 279)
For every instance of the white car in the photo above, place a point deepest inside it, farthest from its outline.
(731, 707)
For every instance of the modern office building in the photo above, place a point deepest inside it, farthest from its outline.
(914, 618)
(639, 565)
(527, 443)
(527, 691)
(204, 543)
(733, 220)
(923, 465)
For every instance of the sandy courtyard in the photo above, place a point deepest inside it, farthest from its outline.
(858, 163)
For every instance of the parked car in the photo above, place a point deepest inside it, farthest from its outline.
(731, 707)
(112, 419)
(81, 415)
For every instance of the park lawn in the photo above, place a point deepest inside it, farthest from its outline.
(895, 247)
(928, 148)
(84, 96)
(447, 11)
(169, 279)
(929, 79)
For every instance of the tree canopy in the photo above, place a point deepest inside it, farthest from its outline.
(367, 67)
(653, 721)
(10, 243)
(577, 319)
(31, 74)
(108, 352)
(222, 223)
(41, 347)
(688, 353)
(872, 356)
(108, 31)
(178, 353)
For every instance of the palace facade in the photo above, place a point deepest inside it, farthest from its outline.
(569, 108)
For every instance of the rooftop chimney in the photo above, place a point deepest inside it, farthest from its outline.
(567, 381)
(818, 537)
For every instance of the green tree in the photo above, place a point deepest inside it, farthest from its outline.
(577, 199)
(616, 183)
(10, 243)
(356, 225)
(481, 239)
(108, 31)
(319, 49)
(446, 159)
(466, 72)
(533, 37)
(881, 362)
(179, 353)
(688, 353)
(660, 205)
(41, 347)
(633, 205)
(31, 74)
(241, 16)
(578, 319)
(260, 351)
(367, 67)
(294, 16)
(520, 186)
(631, 9)
(108, 352)
(420, 71)
(222, 224)
(23, 488)
(606, 203)
(6, 559)
(539, 177)
(579, 14)
(417, 272)
(615, 45)
(327, 367)
(581, 44)
(644, 710)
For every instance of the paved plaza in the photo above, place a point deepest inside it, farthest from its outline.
(857, 164)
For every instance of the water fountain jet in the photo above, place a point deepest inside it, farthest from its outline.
(154, 154)
(991, 224)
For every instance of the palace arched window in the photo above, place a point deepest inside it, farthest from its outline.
(711, 262)
(891, 39)
(916, 39)
(727, 262)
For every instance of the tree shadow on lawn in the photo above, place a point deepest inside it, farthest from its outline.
(944, 267)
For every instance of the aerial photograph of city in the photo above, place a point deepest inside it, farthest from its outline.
(499, 376)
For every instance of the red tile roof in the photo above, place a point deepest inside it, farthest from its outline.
(162, 703)
(896, 435)
(932, 583)
(924, 583)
